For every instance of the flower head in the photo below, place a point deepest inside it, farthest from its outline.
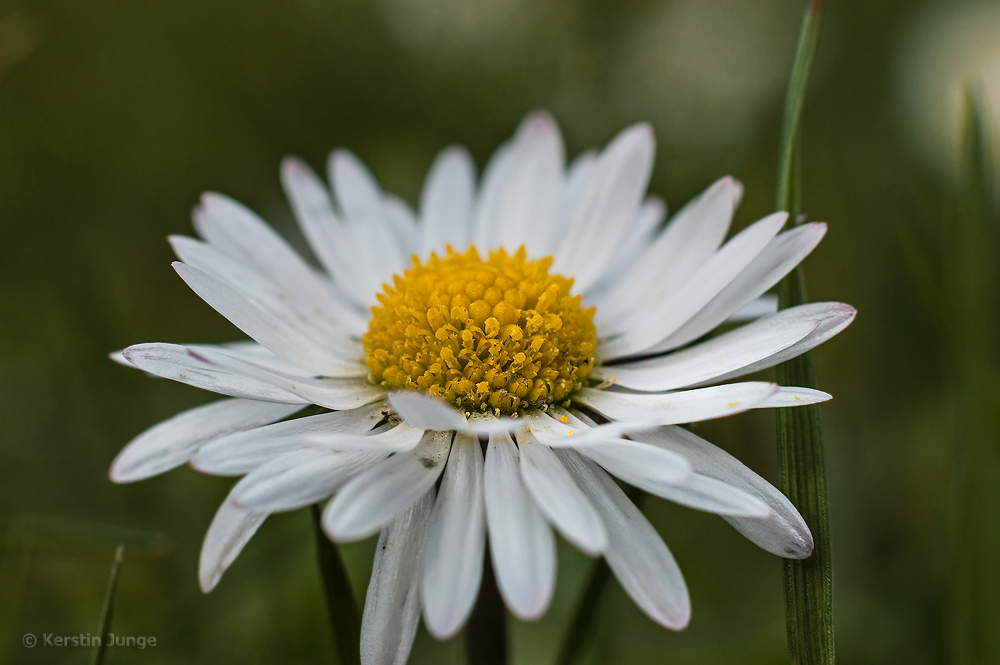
(484, 366)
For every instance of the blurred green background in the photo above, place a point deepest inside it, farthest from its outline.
(116, 115)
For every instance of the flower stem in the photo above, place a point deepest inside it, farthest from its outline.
(801, 464)
(585, 619)
(340, 604)
(486, 632)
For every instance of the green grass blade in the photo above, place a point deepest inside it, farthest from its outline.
(104, 628)
(804, 54)
(78, 536)
(802, 477)
(340, 604)
(801, 465)
(974, 283)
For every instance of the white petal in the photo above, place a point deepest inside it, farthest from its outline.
(784, 533)
(217, 263)
(685, 406)
(421, 410)
(643, 228)
(299, 478)
(379, 258)
(522, 546)
(399, 439)
(631, 247)
(559, 432)
(487, 423)
(737, 193)
(330, 325)
(366, 223)
(246, 237)
(173, 442)
(527, 205)
(694, 490)
(446, 202)
(426, 412)
(271, 332)
(611, 200)
(763, 306)
(632, 461)
(216, 371)
(832, 317)
(255, 354)
(241, 453)
(691, 236)
(403, 222)
(794, 396)
(392, 605)
(636, 553)
(238, 231)
(559, 498)
(319, 223)
(484, 218)
(708, 494)
(384, 491)
(172, 361)
(119, 357)
(456, 542)
(575, 185)
(658, 316)
(332, 393)
(362, 200)
(781, 255)
(231, 529)
(718, 356)
(637, 463)
(355, 187)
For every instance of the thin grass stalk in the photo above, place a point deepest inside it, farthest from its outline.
(100, 652)
(801, 464)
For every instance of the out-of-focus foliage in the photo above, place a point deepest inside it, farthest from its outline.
(947, 48)
(116, 115)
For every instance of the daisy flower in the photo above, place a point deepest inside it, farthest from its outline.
(482, 366)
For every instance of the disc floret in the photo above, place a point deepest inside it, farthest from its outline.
(497, 335)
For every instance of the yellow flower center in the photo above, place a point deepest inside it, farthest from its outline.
(496, 335)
